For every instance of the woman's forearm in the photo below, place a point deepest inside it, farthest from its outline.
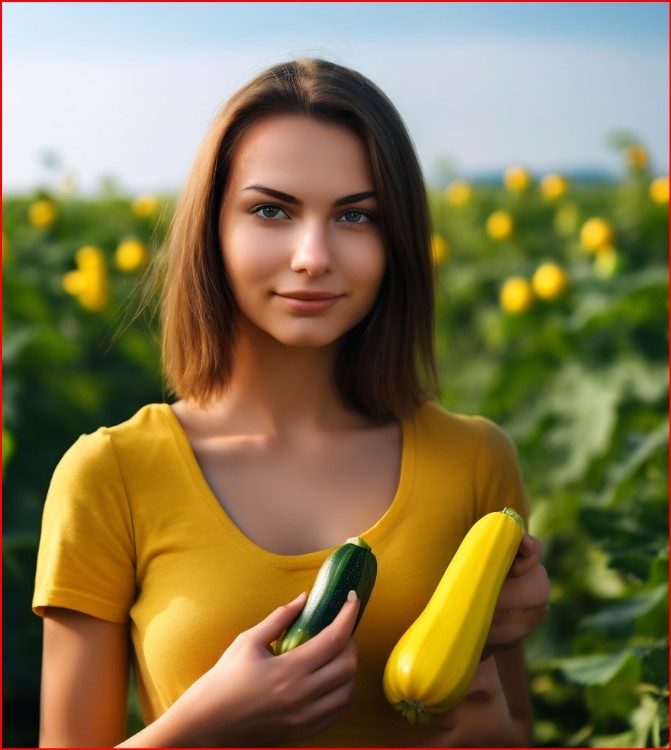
(178, 727)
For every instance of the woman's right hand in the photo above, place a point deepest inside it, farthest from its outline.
(251, 697)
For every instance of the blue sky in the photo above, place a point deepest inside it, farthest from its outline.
(127, 89)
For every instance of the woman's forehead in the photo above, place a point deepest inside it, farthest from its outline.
(301, 151)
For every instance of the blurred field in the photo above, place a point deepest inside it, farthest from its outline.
(552, 320)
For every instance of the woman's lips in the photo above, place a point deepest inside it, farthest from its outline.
(308, 302)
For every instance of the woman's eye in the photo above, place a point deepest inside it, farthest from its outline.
(270, 212)
(355, 217)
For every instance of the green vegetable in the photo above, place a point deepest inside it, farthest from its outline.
(352, 566)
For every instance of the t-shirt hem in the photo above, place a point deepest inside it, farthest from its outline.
(84, 603)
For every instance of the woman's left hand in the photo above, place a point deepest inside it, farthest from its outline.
(523, 602)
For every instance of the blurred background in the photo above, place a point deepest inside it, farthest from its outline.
(543, 132)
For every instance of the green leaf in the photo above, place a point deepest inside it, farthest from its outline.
(624, 739)
(602, 669)
(659, 568)
(586, 409)
(625, 613)
(656, 442)
(646, 722)
(7, 446)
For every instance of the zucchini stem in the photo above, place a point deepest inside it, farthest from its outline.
(514, 514)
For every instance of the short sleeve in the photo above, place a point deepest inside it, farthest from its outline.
(498, 478)
(86, 559)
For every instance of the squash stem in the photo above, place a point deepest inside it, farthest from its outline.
(514, 514)
(358, 541)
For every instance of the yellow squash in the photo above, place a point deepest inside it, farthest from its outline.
(435, 660)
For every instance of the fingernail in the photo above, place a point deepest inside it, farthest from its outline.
(351, 597)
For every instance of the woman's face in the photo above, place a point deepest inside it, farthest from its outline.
(299, 230)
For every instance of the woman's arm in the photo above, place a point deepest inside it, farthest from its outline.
(85, 663)
(249, 697)
(514, 680)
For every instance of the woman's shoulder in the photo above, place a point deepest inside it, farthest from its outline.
(471, 448)
(141, 424)
(96, 450)
(437, 423)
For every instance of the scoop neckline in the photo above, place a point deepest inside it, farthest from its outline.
(373, 535)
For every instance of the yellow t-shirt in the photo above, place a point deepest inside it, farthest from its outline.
(132, 532)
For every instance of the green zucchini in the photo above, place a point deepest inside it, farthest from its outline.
(352, 566)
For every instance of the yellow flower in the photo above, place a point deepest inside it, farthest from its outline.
(131, 255)
(89, 283)
(549, 281)
(516, 295)
(145, 205)
(607, 263)
(553, 186)
(439, 249)
(90, 256)
(499, 225)
(42, 213)
(516, 179)
(458, 193)
(74, 282)
(636, 155)
(94, 295)
(659, 190)
(596, 234)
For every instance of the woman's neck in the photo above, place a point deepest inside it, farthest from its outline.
(281, 391)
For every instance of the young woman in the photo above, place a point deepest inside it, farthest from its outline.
(297, 320)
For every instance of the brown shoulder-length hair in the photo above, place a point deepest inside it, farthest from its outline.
(386, 367)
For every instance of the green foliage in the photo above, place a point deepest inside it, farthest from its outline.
(579, 381)
(66, 371)
(581, 384)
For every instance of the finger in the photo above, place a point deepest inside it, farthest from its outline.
(446, 721)
(530, 545)
(272, 627)
(334, 673)
(327, 644)
(485, 682)
(522, 564)
(528, 591)
(324, 710)
(513, 629)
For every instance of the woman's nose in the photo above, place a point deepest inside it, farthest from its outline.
(312, 254)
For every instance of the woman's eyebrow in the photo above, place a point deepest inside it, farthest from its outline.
(345, 200)
(355, 198)
(275, 194)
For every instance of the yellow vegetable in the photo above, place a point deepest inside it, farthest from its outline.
(434, 662)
